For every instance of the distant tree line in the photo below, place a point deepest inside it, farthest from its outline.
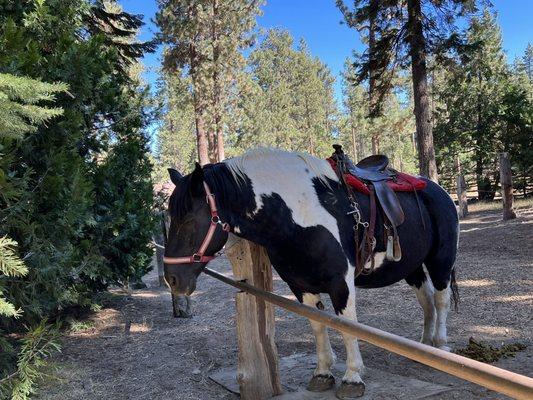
(75, 175)
(424, 92)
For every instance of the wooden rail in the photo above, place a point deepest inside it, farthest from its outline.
(497, 379)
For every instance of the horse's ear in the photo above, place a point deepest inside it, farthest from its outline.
(175, 176)
(197, 181)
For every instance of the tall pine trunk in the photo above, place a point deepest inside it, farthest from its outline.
(211, 144)
(372, 93)
(220, 143)
(201, 137)
(218, 134)
(354, 142)
(424, 128)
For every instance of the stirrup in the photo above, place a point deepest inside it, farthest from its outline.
(394, 251)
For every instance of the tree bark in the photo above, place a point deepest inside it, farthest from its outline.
(506, 179)
(462, 198)
(354, 143)
(373, 96)
(211, 144)
(218, 138)
(201, 137)
(221, 154)
(424, 128)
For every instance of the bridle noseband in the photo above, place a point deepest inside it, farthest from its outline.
(199, 256)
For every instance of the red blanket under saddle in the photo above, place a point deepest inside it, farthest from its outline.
(402, 183)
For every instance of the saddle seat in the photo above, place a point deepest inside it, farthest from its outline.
(373, 168)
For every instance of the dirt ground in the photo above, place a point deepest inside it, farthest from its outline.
(167, 358)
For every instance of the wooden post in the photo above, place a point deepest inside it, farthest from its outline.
(258, 369)
(160, 239)
(506, 180)
(462, 198)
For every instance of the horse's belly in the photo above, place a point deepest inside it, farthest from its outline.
(386, 274)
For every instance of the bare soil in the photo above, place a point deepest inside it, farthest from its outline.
(167, 358)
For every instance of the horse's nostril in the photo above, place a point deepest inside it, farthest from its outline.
(173, 281)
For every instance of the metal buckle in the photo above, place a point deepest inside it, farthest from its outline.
(357, 215)
(215, 219)
(196, 257)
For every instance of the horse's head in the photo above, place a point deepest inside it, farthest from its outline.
(190, 241)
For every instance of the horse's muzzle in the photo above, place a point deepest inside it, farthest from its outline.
(181, 306)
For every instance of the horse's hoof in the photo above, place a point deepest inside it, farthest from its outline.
(445, 348)
(350, 390)
(321, 383)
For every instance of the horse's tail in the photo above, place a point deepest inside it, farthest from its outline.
(454, 290)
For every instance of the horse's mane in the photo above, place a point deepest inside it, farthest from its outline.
(180, 202)
(228, 179)
(278, 160)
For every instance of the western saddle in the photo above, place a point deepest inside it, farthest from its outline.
(375, 172)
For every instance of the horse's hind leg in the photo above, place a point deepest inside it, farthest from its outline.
(443, 279)
(425, 293)
(322, 378)
(442, 304)
(343, 299)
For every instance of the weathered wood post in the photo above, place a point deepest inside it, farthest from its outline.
(258, 369)
(506, 180)
(160, 239)
(462, 198)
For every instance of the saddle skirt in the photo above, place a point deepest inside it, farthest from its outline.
(401, 183)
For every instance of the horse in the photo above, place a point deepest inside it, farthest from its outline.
(294, 205)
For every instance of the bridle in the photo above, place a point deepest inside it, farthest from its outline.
(199, 256)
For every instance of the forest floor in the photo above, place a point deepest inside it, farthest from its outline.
(167, 358)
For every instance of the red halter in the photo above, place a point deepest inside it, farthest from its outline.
(199, 257)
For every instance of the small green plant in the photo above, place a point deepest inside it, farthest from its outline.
(80, 326)
(10, 265)
(36, 346)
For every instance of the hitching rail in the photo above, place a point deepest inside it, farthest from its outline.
(500, 380)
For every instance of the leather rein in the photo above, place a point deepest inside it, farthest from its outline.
(198, 256)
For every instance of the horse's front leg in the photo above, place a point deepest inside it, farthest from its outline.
(343, 299)
(322, 379)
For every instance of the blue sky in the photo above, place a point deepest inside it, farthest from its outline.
(318, 22)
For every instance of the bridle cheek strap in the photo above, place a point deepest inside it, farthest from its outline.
(199, 256)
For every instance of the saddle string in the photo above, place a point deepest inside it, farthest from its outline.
(363, 249)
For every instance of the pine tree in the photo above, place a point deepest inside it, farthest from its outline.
(21, 110)
(472, 96)
(19, 99)
(405, 32)
(354, 127)
(206, 39)
(176, 147)
(288, 101)
(52, 212)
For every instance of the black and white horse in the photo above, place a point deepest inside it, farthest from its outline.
(294, 206)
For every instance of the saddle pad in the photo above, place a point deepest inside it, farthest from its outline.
(402, 182)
